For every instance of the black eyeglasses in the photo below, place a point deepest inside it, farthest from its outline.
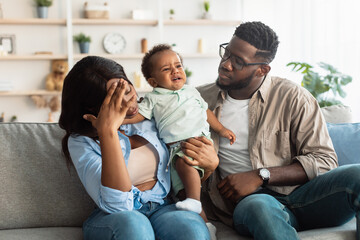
(236, 61)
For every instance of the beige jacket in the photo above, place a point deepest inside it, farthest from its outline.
(285, 125)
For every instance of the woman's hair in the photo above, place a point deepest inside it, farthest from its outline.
(147, 66)
(260, 36)
(83, 92)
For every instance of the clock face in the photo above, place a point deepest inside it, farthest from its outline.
(114, 43)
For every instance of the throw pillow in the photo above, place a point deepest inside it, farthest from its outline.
(346, 141)
(337, 114)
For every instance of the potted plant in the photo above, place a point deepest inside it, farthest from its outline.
(188, 74)
(172, 14)
(206, 14)
(321, 85)
(42, 7)
(84, 42)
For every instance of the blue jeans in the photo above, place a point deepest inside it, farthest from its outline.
(331, 199)
(152, 221)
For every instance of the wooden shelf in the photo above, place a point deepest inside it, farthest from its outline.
(141, 55)
(111, 56)
(202, 22)
(32, 21)
(51, 93)
(85, 21)
(33, 57)
(30, 93)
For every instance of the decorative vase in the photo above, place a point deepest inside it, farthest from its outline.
(84, 47)
(42, 12)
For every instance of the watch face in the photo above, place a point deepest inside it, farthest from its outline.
(114, 43)
(264, 173)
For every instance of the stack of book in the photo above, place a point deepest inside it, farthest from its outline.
(5, 85)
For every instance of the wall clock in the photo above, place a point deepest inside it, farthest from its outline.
(114, 43)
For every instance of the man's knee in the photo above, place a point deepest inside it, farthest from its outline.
(256, 207)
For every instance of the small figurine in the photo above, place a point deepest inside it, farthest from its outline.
(144, 48)
(55, 79)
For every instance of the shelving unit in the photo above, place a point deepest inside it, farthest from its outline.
(68, 23)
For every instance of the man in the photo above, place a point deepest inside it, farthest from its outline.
(281, 175)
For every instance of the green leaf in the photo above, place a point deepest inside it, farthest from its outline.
(43, 3)
(341, 92)
(318, 85)
(81, 37)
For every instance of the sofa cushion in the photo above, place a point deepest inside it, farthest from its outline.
(346, 231)
(337, 114)
(37, 189)
(53, 233)
(346, 141)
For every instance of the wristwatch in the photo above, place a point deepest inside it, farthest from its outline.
(265, 175)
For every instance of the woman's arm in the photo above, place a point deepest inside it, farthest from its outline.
(112, 113)
(203, 153)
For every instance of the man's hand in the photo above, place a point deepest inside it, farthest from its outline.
(239, 185)
(203, 153)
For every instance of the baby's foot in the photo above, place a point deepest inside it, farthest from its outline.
(212, 230)
(189, 204)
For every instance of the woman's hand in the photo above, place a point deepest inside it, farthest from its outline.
(203, 153)
(113, 110)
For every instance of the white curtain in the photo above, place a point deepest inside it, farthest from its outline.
(314, 31)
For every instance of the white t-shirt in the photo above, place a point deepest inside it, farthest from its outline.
(234, 158)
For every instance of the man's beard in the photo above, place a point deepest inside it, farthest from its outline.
(237, 85)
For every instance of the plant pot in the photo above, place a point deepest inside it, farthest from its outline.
(84, 47)
(42, 12)
(206, 15)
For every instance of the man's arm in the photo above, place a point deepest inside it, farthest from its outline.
(239, 185)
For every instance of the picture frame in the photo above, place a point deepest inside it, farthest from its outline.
(8, 43)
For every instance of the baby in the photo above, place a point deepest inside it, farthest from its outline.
(180, 113)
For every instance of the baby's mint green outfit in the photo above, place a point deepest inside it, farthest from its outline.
(179, 115)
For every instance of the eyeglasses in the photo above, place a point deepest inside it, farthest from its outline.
(236, 61)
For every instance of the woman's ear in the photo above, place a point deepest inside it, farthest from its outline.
(152, 82)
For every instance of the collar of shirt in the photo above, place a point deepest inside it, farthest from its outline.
(168, 91)
(264, 88)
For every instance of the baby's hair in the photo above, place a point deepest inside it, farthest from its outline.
(147, 66)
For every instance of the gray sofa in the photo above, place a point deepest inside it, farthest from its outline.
(41, 199)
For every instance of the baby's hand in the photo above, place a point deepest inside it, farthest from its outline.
(226, 133)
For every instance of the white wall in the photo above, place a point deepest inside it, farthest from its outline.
(311, 31)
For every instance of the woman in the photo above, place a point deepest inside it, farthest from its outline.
(123, 169)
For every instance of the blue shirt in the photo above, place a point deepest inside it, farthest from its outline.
(86, 156)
